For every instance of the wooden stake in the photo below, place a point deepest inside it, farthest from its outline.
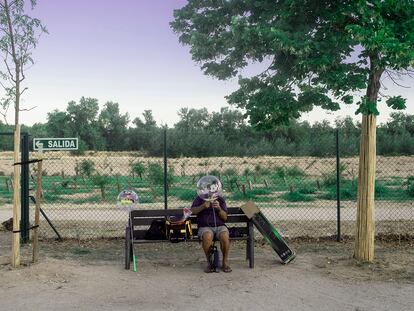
(250, 185)
(37, 209)
(15, 258)
(365, 230)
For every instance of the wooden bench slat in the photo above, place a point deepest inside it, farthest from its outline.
(176, 212)
(148, 220)
(141, 241)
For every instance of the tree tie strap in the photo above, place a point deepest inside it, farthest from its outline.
(28, 162)
(17, 231)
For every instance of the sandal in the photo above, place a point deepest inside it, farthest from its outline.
(209, 269)
(227, 269)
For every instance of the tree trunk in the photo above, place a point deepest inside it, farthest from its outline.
(15, 260)
(365, 230)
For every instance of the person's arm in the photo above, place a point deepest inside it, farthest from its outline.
(197, 209)
(221, 212)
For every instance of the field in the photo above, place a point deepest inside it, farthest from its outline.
(297, 193)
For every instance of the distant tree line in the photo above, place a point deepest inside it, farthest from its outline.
(199, 133)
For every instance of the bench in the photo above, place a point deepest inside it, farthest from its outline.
(140, 220)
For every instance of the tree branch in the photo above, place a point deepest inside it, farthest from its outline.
(3, 86)
(10, 73)
(4, 114)
(26, 88)
(22, 71)
(395, 82)
(28, 109)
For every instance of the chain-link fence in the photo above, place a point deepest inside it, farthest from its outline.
(298, 194)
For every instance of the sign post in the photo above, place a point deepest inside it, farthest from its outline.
(47, 144)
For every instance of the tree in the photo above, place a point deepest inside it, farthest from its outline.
(319, 54)
(227, 121)
(192, 119)
(145, 134)
(19, 35)
(58, 124)
(101, 181)
(113, 126)
(137, 168)
(149, 121)
(83, 119)
(86, 168)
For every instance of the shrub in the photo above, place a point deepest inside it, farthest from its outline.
(348, 191)
(295, 171)
(101, 181)
(65, 183)
(86, 168)
(156, 174)
(137, 168)
(215, 173)
(410, 186)
(247, 172)
(280, 172)
(306, 189)
(329, 179)
(230, 172)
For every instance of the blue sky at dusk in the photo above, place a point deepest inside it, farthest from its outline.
(124, 51)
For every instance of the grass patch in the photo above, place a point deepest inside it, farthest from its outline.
(146, 199)
(283, 172)
(393, 181)
(81, 251)
(260, 191)
(250, 195)
(306, 189)
(346, 194)
(94, 199)
(349, 191)
(184, 194)
(296, 196)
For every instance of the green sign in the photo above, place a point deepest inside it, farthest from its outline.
(55, 143)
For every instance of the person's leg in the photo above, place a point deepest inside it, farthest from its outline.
(225, 246)
(207, 242)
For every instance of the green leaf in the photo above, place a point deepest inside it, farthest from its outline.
(367, 107)
(396, 102)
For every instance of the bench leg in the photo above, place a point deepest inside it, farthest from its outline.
(128, 248)
(250, 245)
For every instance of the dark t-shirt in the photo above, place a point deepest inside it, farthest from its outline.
(209, 217)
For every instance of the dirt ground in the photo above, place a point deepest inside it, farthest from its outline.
(89, 275)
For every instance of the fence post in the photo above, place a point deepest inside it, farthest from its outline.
(165, 171)
(24, 191)
(338, 188)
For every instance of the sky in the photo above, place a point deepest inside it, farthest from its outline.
(125, 51)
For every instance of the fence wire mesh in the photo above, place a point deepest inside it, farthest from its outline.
(298, 194)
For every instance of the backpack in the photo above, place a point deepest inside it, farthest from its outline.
(178, 230)
(156, 230)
